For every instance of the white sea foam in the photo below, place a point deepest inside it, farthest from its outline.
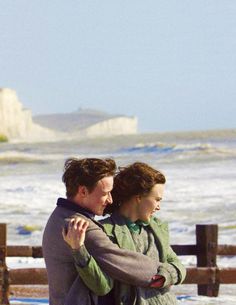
(14, 156)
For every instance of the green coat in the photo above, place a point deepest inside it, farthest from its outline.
(118, 232)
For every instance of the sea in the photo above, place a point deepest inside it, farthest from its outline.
(200, 168)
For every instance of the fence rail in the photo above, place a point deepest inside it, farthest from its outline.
(206, 274)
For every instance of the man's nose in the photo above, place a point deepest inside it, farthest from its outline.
(158, 207)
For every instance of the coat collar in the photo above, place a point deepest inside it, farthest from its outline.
(122, 233)
(124, 238)
(159, 230)
(70, 205)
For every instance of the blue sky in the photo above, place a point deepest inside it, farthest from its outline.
(170, 63)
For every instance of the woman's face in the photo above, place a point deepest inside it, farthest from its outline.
(150, 203)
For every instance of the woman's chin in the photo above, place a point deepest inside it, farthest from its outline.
(146, 219)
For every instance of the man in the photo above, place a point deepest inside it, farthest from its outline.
(88, 190)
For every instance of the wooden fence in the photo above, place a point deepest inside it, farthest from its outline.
(206, 274)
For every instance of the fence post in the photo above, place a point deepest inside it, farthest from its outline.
(4, 283)
(207, 243)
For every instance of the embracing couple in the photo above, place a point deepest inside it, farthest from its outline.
(126, 258)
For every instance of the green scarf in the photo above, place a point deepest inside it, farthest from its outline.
(135, 227)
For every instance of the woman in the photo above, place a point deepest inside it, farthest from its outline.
(137, 193)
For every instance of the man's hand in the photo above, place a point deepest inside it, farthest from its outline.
(75, 234)
(157, 281)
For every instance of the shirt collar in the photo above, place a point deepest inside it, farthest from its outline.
(135, 226)
(70, 205)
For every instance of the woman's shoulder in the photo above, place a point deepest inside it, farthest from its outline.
(106, 220)
(108, 226)
(158, 222)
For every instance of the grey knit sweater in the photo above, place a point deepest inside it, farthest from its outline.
(145, 243)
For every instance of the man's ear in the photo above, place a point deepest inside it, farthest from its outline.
(82, 191)
(137, 198)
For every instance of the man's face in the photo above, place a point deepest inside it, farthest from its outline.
(150, 203)
(100, 197)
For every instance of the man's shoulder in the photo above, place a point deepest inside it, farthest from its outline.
(77, 214)
(93, 224)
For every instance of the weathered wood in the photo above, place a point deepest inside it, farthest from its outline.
(226, 275)
(206, 274)
(36, 252)
(28, 276)
(226, 250)
(3, 254)
(1, 277)
(4, 283)
(26, 251)
(185, 249)
(19, 251)
(195, 275)
(200, 275)
(29, 291)
(206, 237)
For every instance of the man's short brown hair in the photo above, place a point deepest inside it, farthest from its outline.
(86, 172)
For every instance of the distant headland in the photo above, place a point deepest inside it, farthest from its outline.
(17, 123)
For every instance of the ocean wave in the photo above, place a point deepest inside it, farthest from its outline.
(193, 149)
(14, 157)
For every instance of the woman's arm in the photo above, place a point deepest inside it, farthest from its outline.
(89, 271)
(173, 259)
(124, 265)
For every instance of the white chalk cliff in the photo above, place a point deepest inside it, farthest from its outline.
(17, 123)
(119, 125)
(88, 123)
